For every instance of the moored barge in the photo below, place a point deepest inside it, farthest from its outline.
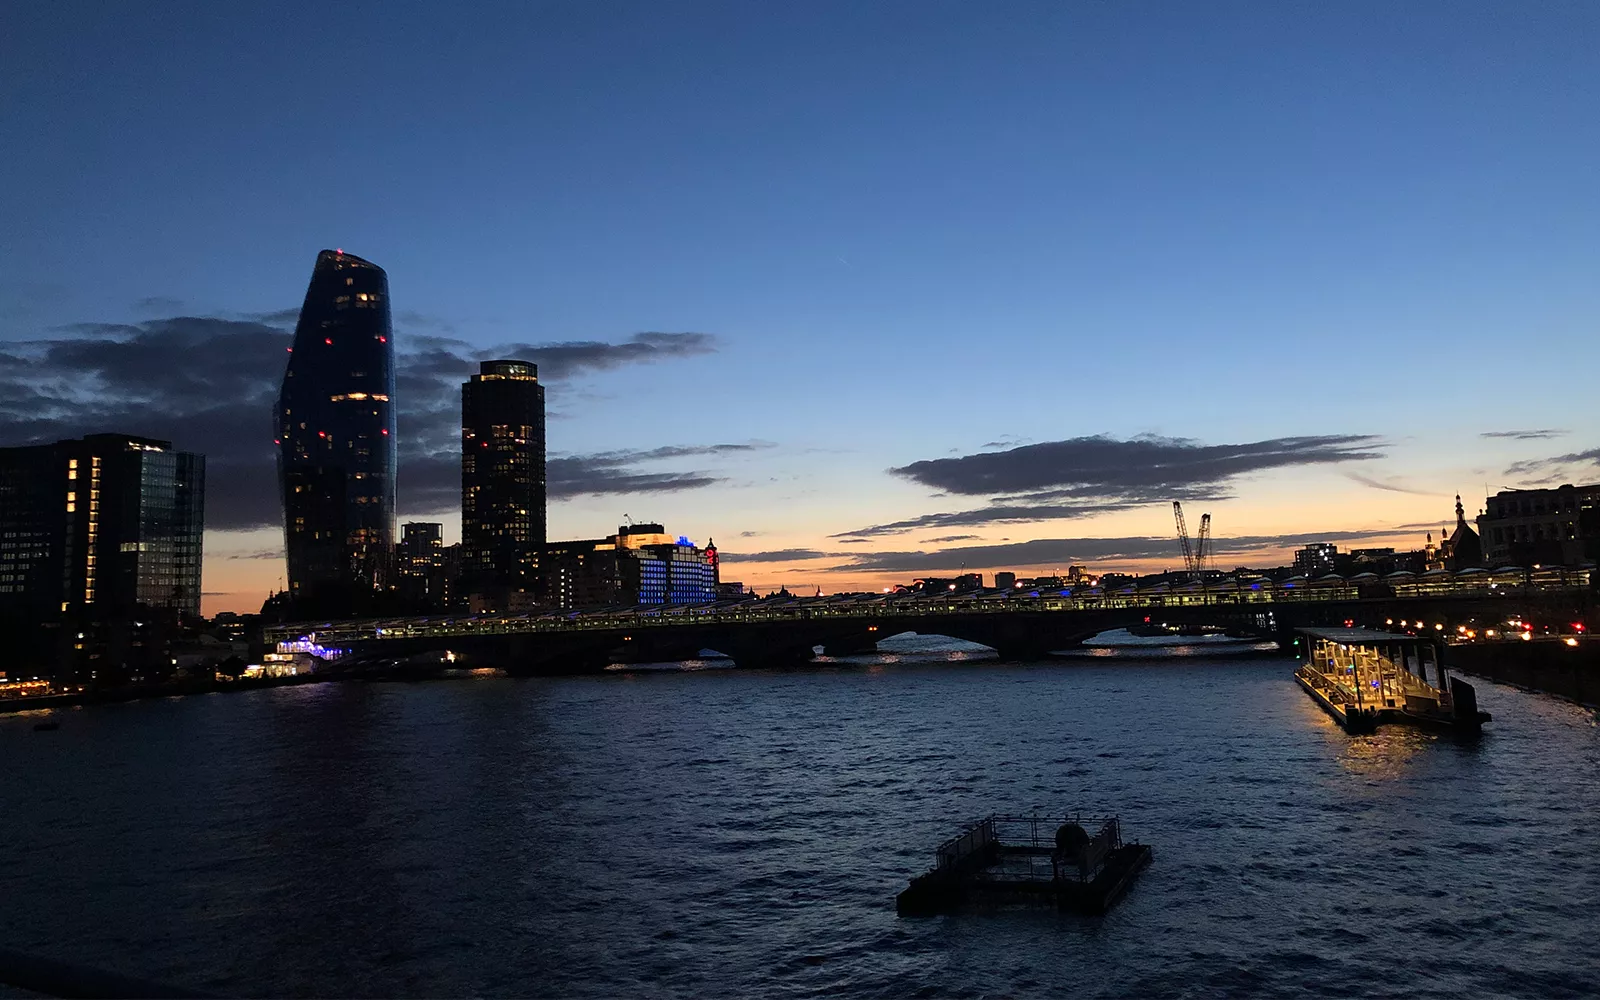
(1364, 679)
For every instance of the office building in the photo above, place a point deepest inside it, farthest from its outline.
(640, 564)
(336, 435)
(1559, 526)
(98, 531)
(502, 478)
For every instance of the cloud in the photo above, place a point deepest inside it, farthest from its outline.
(948, 538)
(1065, 551)
(209, 385)
(776, 555)
(1535, 435)
(993, 514)
(1390, 485)
(1557, 468)
(432, 483)
(1146, 467)
(1085, 476)
(260, 554)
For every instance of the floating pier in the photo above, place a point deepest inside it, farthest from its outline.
(1364, 679)
(1036, 860)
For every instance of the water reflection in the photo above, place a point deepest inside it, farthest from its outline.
(1387, 755)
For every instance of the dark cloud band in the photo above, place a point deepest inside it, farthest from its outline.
(209, 384)
(1084, 476)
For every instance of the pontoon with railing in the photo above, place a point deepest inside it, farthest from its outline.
(1051, 860)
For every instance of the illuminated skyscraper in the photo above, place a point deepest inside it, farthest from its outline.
(502, 477)
(336, 434)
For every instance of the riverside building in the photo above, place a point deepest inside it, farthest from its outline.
(100, 546)
(1559, 526)
(502, 480)
(640, 564)
(336, 435)
(100, 526)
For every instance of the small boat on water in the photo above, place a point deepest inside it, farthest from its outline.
(1046, 860)
(1363, 679)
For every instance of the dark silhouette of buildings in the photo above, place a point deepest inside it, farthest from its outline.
(502, 480)
(336, 436)
(1462, 549)
(95, 533)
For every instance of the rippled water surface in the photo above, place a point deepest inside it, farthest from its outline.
(720, 832)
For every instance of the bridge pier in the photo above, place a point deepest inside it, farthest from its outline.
(854, 643)
(768, 656)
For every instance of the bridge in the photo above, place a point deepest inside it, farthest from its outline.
(1018, 625)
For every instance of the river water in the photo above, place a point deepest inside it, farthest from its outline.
(718, 832)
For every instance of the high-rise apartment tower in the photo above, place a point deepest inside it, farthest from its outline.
(502, 477)
(336, 433)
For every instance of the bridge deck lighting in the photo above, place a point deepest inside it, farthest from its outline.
(1527, 636)
(1571, 641)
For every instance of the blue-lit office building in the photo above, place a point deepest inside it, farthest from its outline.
(640, 564)
(336, 434)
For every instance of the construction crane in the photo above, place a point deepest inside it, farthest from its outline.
(1194, 556)
(1183, 537)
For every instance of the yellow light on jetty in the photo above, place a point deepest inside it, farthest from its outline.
(1569, 641)
(1526, 636)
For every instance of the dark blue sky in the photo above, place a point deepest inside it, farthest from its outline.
(915, 230)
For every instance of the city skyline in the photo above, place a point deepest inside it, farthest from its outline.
(912, 297)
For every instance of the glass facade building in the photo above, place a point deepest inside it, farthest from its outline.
(336, 433)
(502, 477)
(101, 526)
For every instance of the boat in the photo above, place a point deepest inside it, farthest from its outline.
(1008, 859)
(1364, 678)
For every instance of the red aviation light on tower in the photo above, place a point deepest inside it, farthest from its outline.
(384, 431)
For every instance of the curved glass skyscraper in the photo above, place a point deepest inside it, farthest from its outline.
(336, 434)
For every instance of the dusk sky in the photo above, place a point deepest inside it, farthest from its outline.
(864, 291)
